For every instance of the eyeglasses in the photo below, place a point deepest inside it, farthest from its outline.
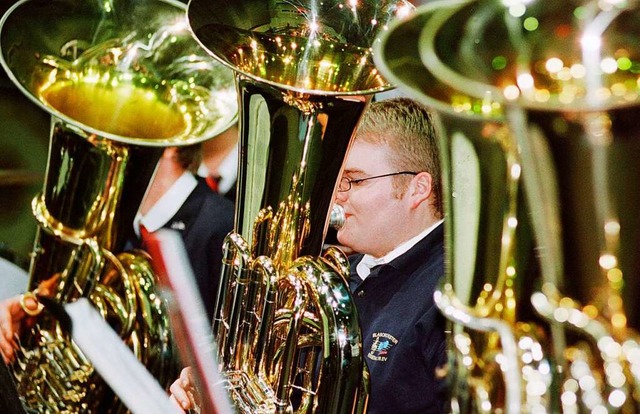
(346, 183)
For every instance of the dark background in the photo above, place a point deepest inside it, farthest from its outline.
(24, 138)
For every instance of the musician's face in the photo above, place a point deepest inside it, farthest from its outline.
(374, 211)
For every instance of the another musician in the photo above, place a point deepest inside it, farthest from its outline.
(178, 199)
(391, 194)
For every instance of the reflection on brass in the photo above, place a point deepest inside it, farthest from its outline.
(285, 323)
(317, 65)
(538, 107)
(307, 47)
(123, 110)
(118, 95)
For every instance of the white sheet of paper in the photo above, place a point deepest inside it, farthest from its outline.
(116, 363)
(188, 320)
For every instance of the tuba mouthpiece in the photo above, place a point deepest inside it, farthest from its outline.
(337, 218)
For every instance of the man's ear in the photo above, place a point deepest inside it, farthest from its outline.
(421, 188)
(170, 153)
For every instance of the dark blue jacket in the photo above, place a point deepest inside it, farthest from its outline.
(203, 220)
(208, 218)
(403, 331)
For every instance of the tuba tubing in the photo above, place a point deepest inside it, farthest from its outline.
(573, 136)
(487, 230)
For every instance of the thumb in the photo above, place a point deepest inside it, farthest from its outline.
(28, 303)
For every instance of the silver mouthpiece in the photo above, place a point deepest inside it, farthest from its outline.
(337, 217)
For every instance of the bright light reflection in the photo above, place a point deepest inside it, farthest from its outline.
(564, 74)
(403, 11)
(599, 409)
(536, 388)
(617, 379)
(619, 320)
(603, 93)
(590, 41)
(614, 275)
(554, 65)
(568, 398)
(612, 227)
(542, 95)
(517, 10)
(516, 170)
(511, 92)
(511, 3)
(609, 65)
(566, 96)
(561, 315)
(617, 398)
(578, 71)
(587, 382)
(618, 89)
(467, 361)
(525, 81)
(608, 261)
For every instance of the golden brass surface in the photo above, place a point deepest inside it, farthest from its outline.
(121, 80)
(553, 89)
(123, 110)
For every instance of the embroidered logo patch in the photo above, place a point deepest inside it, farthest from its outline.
(382, 344)
(178, 225)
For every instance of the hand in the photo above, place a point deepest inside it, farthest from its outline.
(183, 391)
(12, 316)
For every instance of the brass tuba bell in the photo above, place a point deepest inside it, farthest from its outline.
(285, 323)
(122, 80)
(558, 83)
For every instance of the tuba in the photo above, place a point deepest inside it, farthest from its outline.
(121, 80)
(487, 229)
(285, 324)
(556, 86)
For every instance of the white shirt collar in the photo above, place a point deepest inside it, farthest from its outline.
(167, 206)
(364, 266)
(227, 170)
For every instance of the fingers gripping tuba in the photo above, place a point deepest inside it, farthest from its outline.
(122, 80)
(557, 83)
(285, 324)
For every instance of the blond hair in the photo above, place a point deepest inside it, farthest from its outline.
(406, 126)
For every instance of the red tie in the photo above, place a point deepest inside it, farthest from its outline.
(144, 236)
(212, 182)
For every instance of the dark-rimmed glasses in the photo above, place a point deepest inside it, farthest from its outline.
(345, 183)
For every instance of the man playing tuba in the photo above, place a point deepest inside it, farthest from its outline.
(391, 193)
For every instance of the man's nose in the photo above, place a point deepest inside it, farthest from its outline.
(341, 196)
